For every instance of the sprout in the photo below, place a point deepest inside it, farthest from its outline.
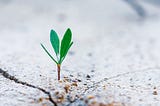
(60, 50)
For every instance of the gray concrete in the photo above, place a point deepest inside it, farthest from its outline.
(114, 60)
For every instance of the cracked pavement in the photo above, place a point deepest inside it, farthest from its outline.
(114, 60)
(10, 77)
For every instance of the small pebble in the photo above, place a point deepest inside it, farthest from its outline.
(155, 93)
(67, 87)
(74, 84)
(90, 97)
(79, 80)
(88, 76)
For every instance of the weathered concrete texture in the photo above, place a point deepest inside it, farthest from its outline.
(114, 60)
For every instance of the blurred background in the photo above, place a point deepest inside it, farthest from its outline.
(21, 17)
(26, 23)
(86, 17)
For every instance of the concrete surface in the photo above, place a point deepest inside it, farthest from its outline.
(115, 59)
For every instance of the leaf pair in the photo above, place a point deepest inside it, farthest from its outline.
(60, 50)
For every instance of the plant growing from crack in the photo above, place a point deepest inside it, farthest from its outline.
(60, 48)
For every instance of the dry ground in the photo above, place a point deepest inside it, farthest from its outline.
(115, 59)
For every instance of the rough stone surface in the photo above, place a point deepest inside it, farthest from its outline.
(115, 59)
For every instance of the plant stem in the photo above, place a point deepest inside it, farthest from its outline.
(58, 69)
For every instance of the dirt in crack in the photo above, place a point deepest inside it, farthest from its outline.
(10, 77)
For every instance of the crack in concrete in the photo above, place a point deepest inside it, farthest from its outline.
(10, 77)
(116, 76)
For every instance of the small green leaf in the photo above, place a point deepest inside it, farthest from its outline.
(65, 44)
(49, 54)
(66, 52)
(54, 39)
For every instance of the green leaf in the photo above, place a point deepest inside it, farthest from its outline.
(65, 44)
(49, 54)
(66, 52)
(54, 39)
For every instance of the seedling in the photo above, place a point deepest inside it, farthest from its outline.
(60, 50)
